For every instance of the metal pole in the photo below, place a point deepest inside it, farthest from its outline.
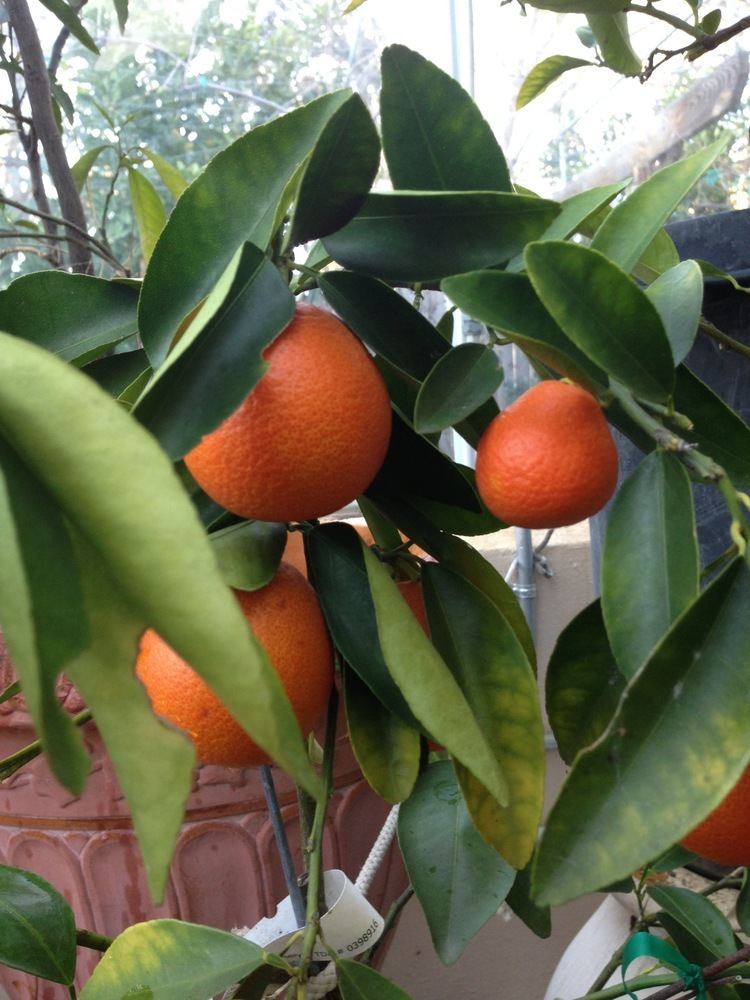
(282, 845)
(525, 586)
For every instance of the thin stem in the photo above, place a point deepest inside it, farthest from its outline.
(394, 912)
(638, 983)
(315, 845)
(72, 992)
(728, 882)
(9, 765)
(88, 939)
(662, 15)
(711, 972)
(11, 234)
(723, 338)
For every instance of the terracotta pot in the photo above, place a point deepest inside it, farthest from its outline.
(225, 871)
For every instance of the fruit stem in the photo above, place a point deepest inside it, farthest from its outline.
(9, 765)
(314, 847)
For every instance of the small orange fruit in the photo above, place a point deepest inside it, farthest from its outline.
(411, 591)
(724, 835)
(312, 434)
(548, 459)
(288, 622)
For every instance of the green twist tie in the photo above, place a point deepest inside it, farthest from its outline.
(648, 945)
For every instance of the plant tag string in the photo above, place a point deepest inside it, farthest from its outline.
(350, 926)
(643, 944)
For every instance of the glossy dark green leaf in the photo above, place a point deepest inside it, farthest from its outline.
(37, 927)
(414, 467)
(583, 685)
(605, 314)
(456, 554)
(445, 325)
(492, 670)
(340, 575)
(360, 982)
(434, 136)
(148, 209)
(41, 610)
(742, 907)
(537, 918)
(385, 321)
(459, 880)
(697, 915)
(116, 372)
(613, 41)
(338, 175)
(428, 685)
(718, 430)
(170, 176)
(544, 74)
(249, 553)
(676, 857)
(218, 359)
(508, 303)
(632, 225)
(121, 8)
(654, 773)
(678, 297)
(153, 762)
(459, 383)
(387, 750)
(171, 960)
(650, 562)
(116, 486)
(72, 315)
(68, 16)
(401, 236)
(82, 167)
(235, 200)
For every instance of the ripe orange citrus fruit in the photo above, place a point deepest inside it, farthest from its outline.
(548, 459)
(411, 591)
(724, 835)
(288, 622)
(312, 434)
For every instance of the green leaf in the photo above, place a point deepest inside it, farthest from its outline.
(613, 40)
(148, 208)
(605, 314)
(338, 568)
(235, 200)
(583, 684)
(544, 74)
(718, 430)
(699, 917)
(37, 927)
(172, 960)
(41, 610)
(427, 683)
(10, 692)
(153, 761)
(69, 17)
(400, 236)
(742, 907)
(508, 303)
(459, 880)
(121, 7)
(631, 226)
(338, 175)
(456, 554)
(82, 167)
(537, 918)
(678, 297)
(72, 315)
(492, 671)
(170, 176)
(386, 749)
(676, 857)
(385, 321)
(218, 359)
(357, 981)
(114, 483)
(249, 553)
(116, 372)
(655, 773)
(61, 98)
(650, 561)
(460, 382)
(434, 135)
(710, 23)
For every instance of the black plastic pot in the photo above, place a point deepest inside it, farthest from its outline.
(723, 240)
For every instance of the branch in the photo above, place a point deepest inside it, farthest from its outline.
(71, 238)
(59, 45)
(710, 972)
(40, 99)
(702, 43)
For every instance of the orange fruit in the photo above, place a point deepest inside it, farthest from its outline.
(724, 835)
(548, 459)
(411, 591)
(310, 436)
(288, 622)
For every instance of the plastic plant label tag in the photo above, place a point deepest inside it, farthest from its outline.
(350, 926)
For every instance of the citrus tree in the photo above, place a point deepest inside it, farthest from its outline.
(140, 488)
